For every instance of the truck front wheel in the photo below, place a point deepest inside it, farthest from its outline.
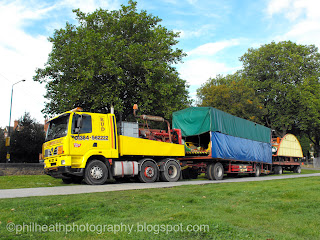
(96, 173)
(148, 172)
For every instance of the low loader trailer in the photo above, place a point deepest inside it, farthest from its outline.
(92, 146)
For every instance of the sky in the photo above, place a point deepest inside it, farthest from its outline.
(213, 33)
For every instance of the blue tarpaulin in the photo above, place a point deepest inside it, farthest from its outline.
(230, 147)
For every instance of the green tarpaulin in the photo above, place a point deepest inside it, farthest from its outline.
(197, 120)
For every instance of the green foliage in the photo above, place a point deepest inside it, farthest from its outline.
(285, 75)
(305, 145)
(27, 140)
(232, 95)
(116, 57)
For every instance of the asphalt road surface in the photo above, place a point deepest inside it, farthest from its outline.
(67, 190)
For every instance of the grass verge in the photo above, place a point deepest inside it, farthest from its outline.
(279, 209)
(29, 181)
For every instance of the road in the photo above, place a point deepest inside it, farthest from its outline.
(67, 190)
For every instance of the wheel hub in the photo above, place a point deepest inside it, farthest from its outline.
(172, 171)
(149, 172)
(96, 172)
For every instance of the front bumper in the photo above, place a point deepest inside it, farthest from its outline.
(64, 171)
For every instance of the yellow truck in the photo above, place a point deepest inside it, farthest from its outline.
(83, 145)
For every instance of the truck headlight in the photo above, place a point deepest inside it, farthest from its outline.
(63, 162)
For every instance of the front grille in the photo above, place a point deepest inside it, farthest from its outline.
(51, 152)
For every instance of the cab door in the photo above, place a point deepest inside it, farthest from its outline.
(105, 135)
(81, 137)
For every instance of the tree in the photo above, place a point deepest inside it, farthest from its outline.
(232, 95)
(114, 58)
(281, 73)
(286, 75)
(308, 114)
(305, 145)
(27, 140)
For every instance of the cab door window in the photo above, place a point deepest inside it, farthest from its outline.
(81, 123)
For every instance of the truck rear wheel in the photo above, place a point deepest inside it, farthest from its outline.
(96, 173)
(149, 172)
(297, 169)
(171, 171)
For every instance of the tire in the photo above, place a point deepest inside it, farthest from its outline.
(297, 169)
(171, 171)
(278, 170)
(208, 172)
(148, 172)
(217, 171)
(257, 171)
(96, 173)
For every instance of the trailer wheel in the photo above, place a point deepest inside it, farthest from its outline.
(217, 171)
(171, 172)
(297, 169)
(96, 173)
(149, 172)
(278, 170)
(257, 171)
(208, 171)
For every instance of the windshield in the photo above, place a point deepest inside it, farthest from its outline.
(58, 127)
